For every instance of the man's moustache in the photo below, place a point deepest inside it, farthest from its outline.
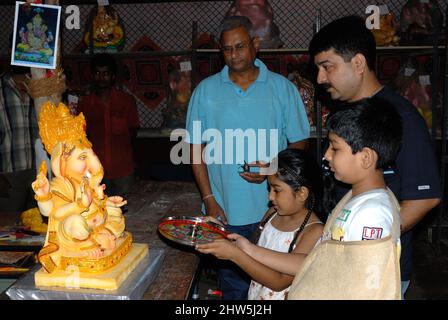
(326, 86)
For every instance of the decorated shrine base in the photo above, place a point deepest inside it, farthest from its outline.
(109, 280)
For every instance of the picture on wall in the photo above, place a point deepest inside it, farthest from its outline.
(35, 38)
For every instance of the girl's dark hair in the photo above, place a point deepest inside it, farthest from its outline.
(298, 169)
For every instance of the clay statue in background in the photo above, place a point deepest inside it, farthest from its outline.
(260, 14)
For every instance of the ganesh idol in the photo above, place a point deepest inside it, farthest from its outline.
(86, 228)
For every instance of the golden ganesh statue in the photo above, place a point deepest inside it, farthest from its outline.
(86, 228)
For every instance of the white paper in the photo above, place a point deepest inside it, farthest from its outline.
(185, 66)
(425, 80)
(72, 99)
(72, 103)
(409, 72)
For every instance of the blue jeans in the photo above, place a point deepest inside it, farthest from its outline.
(234, 282)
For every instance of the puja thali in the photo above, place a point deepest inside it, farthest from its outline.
(190, 231)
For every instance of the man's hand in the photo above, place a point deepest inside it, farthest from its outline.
(251, 172)
(214, 210)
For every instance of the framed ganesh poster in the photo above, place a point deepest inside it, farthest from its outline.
(36, 33)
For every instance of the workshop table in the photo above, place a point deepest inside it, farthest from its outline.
(148, 202)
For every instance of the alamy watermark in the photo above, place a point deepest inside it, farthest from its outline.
(233, 146)
(372, 21)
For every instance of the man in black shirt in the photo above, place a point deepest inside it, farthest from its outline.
(344, 52)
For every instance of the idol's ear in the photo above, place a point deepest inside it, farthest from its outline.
(56, 156)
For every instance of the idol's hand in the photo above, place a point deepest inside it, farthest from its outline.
(86, 193)
(116, 201)
(41, 185)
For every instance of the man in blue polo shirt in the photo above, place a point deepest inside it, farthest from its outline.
(245, 113)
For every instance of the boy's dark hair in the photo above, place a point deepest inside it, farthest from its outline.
(103, 60)
(348, 36)
(234, 22)
(371, 123)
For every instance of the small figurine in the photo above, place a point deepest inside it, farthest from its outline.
(108, 35)
(386, 35)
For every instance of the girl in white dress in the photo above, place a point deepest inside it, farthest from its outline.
(291, 225)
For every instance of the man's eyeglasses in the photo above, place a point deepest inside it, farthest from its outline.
(239, 47)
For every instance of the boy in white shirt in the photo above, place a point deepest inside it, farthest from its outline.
(364, 138)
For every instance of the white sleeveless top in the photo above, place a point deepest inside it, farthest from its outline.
(274, 239)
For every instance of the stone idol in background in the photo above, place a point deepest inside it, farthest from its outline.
(420, 21)
(413, 82)
(108, 33)
(260, 14)
(86, 243)
(179, 93)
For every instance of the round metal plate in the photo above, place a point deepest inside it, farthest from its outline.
(191, 231)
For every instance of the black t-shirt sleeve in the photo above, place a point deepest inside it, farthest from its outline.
(416, 162)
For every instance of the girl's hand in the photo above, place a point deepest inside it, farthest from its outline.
(241, 242)
(222, 249)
